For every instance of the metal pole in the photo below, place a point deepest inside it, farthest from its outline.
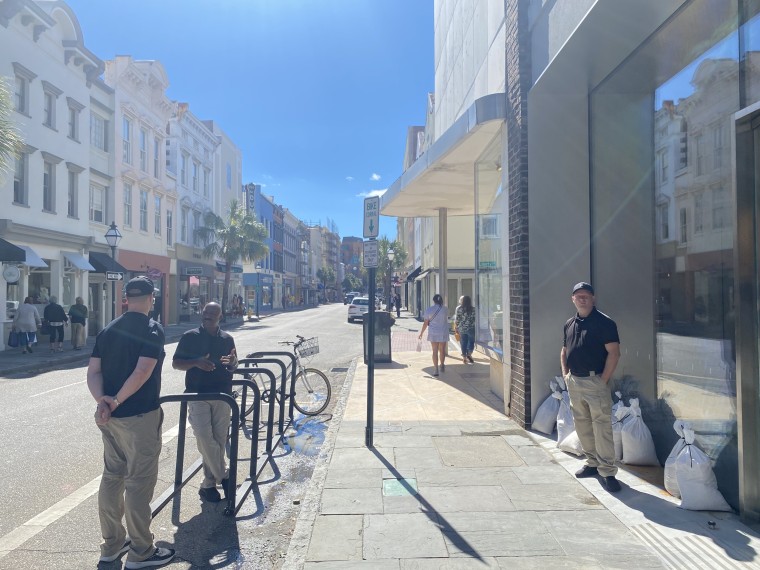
(258, 293)
(113, 287)
(371, 361)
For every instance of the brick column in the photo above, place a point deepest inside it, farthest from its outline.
(518, 82)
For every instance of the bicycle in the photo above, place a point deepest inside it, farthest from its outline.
(312, 390)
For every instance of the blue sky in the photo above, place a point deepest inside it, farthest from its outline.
(317, 94)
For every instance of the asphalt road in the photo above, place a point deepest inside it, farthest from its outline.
(52, 458)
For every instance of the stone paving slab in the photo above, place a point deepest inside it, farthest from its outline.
(324, 546)
(353, 478)
(413, 535)
(351, 501)
(472, 451)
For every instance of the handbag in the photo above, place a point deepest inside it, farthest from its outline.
(13, 339)
(457, 336)
(45, 328)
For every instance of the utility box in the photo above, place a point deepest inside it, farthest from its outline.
(382, 335)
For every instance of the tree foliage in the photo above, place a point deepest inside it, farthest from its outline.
(10, 137)
(386, 267)
(238, 238)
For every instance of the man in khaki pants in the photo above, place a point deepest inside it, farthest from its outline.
(590, 353)
(124, 377)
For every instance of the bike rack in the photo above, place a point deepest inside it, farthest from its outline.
(180, 478)
(272, 387)
(293, 373)
(283, 381)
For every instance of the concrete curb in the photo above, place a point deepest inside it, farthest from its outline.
(299, 542)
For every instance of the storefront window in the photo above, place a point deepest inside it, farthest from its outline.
(39, 286)
(488, 256)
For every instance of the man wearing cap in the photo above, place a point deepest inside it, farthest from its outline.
(590, 353)
(124, 377)
(208, 356)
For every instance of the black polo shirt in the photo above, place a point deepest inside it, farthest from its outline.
(197, 343)
(584, 342)
(119, 346)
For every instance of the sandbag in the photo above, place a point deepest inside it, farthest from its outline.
(696, 480)
(565, 422)
(571, 444)
(617, 405)
(620, 417)
(671, 481)
(638, 445)
(546, 414)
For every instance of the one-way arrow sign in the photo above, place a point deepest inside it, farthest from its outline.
(114, 276)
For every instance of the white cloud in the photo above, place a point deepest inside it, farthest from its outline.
(375, 176)
(372, 193)
(350, 178)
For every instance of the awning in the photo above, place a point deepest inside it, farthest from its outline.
(102, 263)
(10, 252)
(440, 177)
(32, 259)
(78, 261)
(414, 274)
(422, 275)
(222, 267)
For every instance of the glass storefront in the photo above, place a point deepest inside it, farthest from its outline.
(663, 210)
(194, 294)
(489, 270)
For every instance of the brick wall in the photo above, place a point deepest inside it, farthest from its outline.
(518, 81)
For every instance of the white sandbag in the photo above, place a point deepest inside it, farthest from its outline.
(696, 480)
(619, 418)
(638, 445)
(617, 405)
(565, 422)
(671, 481)
(546, 414)
(571, 444)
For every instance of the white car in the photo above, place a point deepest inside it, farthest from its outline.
(358, 307)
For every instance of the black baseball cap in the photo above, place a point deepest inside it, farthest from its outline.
(139, 286)
(583, 286)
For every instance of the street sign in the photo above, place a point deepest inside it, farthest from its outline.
(370, 253)
(371, 218)
(114, 276)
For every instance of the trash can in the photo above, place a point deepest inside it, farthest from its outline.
(383, 323)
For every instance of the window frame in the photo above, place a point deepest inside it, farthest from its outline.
(143, 210)
(127, 203)
(126, 140)
(97, 189)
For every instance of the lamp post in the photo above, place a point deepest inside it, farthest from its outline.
(391, 255)
(258, 288)
(113, 235)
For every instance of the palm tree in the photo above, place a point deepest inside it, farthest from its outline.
(240, 237)
(387, 267)
(10, 138)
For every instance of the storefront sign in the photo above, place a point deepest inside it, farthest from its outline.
(193, 270)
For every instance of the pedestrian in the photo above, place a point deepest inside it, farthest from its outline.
(436, 319)
(465, 326)
(208, 357)
(56, 318)
(124, 377)
(78, 313)
(398, 305)
(25, 322)
(590, 353)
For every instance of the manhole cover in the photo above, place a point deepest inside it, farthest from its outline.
(399, 487)
(338, 369)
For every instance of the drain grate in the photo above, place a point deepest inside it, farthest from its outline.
(338, 369)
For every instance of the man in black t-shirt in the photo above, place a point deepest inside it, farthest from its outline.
(590, 353)
(124, 377)
(208, 356)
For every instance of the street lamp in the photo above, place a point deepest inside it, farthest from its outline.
(258, 288)
(391, 255)
(113, 235)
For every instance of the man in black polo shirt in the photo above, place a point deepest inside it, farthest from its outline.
(590, 353)
(124, 377)
(208, 356)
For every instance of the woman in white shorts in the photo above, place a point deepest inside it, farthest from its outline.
(436, 320)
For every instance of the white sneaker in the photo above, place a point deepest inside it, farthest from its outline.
(160, 557)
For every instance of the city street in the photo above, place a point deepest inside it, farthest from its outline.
(52, 462)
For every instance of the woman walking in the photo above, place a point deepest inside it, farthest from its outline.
(78, 313)
(26, 321)
(465, 326)
(56, 319)
(436, 319)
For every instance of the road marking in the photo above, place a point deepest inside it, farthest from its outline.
(40, 522)
(59, 388)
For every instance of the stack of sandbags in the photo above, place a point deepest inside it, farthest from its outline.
(546, 414)
(671, 481)
(638, 445)
(620, 417)
(696, 480)
(567, 439)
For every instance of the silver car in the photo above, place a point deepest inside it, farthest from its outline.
(358, 307)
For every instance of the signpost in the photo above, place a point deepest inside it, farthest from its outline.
(371, 229)
(114, 276)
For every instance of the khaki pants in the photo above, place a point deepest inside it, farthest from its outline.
(131, 450)
(592, 412)
(211, 423)
(77, 335)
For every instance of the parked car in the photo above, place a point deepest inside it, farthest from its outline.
(358, 307)
(350, 297)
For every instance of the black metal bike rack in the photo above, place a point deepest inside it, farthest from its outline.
(245, 372)
(180, 477)
(293, 374)
(266, 359)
